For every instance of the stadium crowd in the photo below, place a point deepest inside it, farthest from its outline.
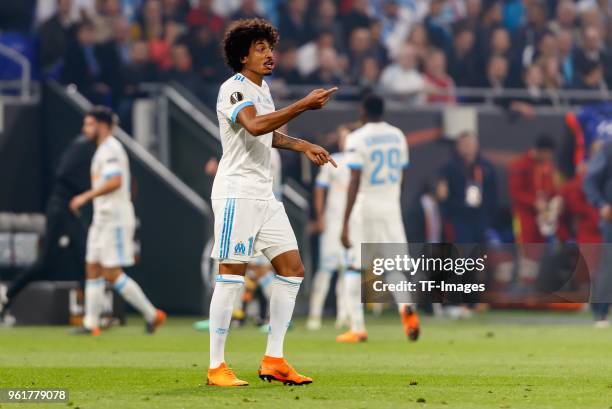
(418, 50)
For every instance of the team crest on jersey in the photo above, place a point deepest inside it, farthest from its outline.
(236, 97)
(239, 249)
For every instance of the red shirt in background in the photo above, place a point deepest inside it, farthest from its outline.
(199, 17)
(529, 179)
(444, 83)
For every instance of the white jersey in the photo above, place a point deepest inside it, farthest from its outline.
(381, 152)
(245, 167)
(115, 207)
(336, 181)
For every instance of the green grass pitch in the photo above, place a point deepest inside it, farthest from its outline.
(497, 360)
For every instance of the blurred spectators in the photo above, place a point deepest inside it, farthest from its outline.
(486, 43)
(55, 34)
(534, 83)
(103, 19)
(527, 38)
(396, 22)
(496, 79)
(329, 71)
(437, 32)
(294, 22)
(565, 16)
(357, 17)
(203, 15)
(206, 54)
(420, 43)
(248, 9)
(139, 70)
(592, 52)
(440, 86)
(369, 75)
(286, 64)
(175, 10)
(161, 47)
(592, 77)
(84, 66)
(462, 61)
(326, 20)
(566, 57)
(360, 47)
(402, 78)
(181, 69)
(308, 54)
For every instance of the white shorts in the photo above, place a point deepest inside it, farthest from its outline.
(245, 228)
(332, 254)
(373, 230)
(110, 245)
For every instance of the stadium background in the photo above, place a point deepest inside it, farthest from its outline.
(514, 70)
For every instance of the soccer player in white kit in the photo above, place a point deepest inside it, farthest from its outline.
(110, 240)
(329, 212)
(248, 219)
(378, 157)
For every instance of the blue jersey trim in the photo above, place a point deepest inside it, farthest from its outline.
(111, 174)
(355, 165)
(238, 108)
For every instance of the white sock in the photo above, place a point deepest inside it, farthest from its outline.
(133, 294)
(282, 301)
(352, 285)
(227, 288)
(94, 297)
(341, 307)
(320, 287)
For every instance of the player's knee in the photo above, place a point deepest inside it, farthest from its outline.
(112, 274)
(295, 270)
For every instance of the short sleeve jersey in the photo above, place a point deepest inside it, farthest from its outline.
(380, 150)
(245, 167)
(111, 160)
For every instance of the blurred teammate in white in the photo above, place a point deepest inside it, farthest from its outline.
(377, 156)
(248, 218)
(110, 241)
(329, 212)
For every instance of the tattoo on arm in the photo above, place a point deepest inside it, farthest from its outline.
(283, 141)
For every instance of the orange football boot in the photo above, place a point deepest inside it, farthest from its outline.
(410, 321)
(351, 337)
(223, 376)
(277, 369)
(160, 318)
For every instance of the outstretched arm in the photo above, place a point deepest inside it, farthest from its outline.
(262, 124)
(318, 155)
